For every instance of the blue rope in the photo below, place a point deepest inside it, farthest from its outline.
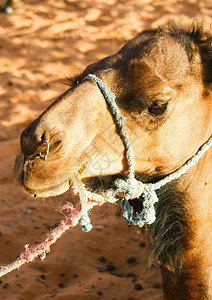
(129, 184)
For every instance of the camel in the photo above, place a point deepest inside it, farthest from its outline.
(162, 81)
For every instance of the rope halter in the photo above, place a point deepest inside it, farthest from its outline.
(130, 187)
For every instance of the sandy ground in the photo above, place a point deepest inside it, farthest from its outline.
(41, 44)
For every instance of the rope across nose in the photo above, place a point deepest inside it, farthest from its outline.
(128, 186)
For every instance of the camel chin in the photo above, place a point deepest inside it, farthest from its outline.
(51, 191)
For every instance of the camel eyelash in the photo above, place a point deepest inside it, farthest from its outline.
(73, 80)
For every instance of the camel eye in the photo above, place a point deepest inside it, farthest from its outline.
(157, 109)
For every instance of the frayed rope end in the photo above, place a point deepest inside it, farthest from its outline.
(85, 221)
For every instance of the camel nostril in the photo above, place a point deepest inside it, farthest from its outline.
(40, 139)
(30, 139)
(43, 137)
(54, 147)
(49, 149)
(46, 152)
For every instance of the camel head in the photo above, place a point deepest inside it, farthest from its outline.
(162, 81)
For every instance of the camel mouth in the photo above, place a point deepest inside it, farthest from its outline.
(59, 187)
(93, 184)
(51, 191)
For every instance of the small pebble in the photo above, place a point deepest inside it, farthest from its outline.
(104, 288)
(111, 267)
(41, 267)
(131, 260)
(75, 276)
(37, 227)
(61, 285)
(101, 269)
(62, 274)
(99, 293)
(130, 274)
(130, 298)
(99, 227)
(102, 259)
(117, 274)
(134, 280)
(142, 244)
(156, 285)
(55, 225)
(5, 286)
(43, 276)
(1, 281)
(138, 287)
(10, 83)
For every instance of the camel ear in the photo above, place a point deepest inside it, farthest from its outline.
(201, 38)
(207, 69)
(205, 47)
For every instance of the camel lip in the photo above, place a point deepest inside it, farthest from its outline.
(50, 191)
(45, 192)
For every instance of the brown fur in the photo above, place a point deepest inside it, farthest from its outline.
(162, 80)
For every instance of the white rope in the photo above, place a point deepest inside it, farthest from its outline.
(182, 170)
(119, 121)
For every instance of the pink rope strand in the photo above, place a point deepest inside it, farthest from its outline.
(72, 220)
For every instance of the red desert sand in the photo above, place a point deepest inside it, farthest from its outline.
(41, 43)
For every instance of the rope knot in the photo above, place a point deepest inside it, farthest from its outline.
(128, 186)
(147, 215)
